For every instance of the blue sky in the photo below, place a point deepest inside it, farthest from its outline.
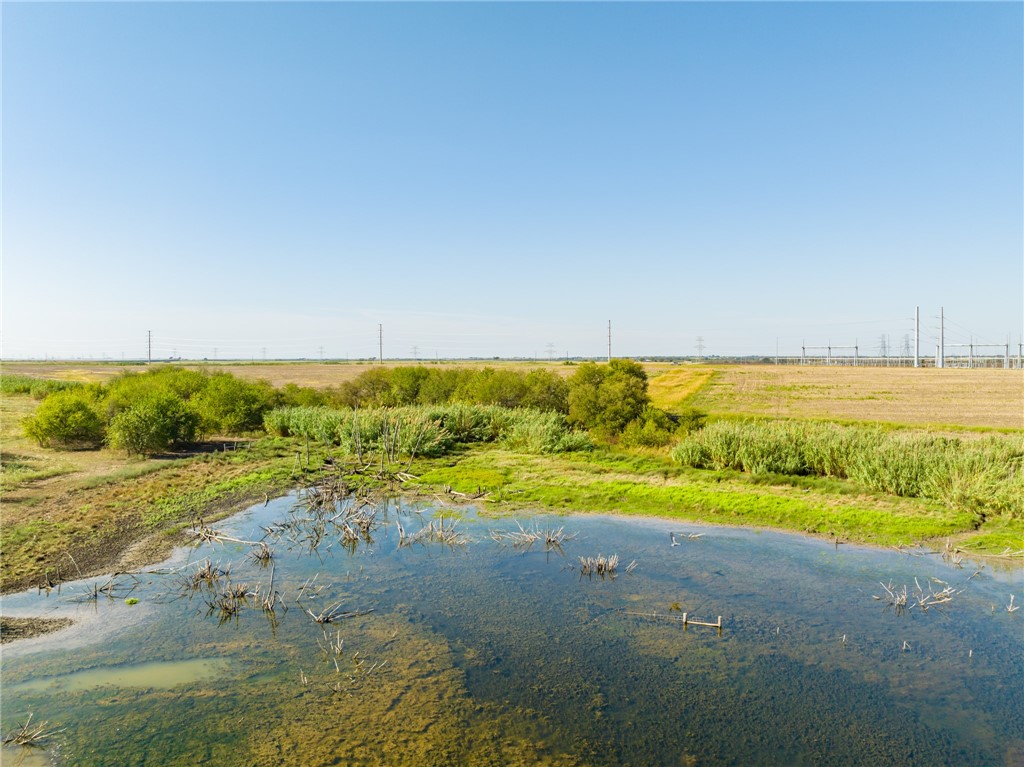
(503, 179)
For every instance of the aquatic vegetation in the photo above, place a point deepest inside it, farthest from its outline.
(436, 532)
(599, 565)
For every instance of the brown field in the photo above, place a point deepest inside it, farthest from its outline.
(314, 374)
(926, 396)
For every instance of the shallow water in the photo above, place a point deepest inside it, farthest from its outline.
(488, 654)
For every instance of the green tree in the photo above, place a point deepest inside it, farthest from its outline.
(68, 419)
(493, 387)
(440, 386)
(367, 389)
(405, 385)
(546, 390)
(605, 398)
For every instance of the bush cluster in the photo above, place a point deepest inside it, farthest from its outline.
(66, 419)
(982, 475)
(147, 413)
(421, 385)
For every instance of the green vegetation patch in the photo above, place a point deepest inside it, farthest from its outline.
(619, 483)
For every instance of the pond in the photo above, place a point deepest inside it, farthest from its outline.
(404, 634)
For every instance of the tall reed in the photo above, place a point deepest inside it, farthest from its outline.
(984, 475)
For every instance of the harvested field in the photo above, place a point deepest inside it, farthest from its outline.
(312, 374)
(944, 397)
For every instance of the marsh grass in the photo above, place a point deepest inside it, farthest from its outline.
(983, 476)
(38, 388)
(427, 430)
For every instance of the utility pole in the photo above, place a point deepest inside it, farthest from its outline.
(917, 336)
(415, 352)
(380, 342)
(942, 336)
(321, 354)
(149, 346)
(609, 340)
(700, 348)
(551, 351)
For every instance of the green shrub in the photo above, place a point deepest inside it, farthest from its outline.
(67, 419)
(690, 420)
(652, 428)
(129, 389)
(229, 405)
(546, 391)
(156, 423)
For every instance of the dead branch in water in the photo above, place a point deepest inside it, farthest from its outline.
(335, 613)
(685, 619)
(204, 534)
(27, 734)
(261, 554)
(112, 588)
(951, 554)
(526, 537)
(899, 598)
(436, 532)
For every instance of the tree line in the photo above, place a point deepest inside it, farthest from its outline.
(159, 410)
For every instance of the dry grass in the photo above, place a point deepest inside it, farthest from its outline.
(949, 397)
(669, 389)
(28, 471)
